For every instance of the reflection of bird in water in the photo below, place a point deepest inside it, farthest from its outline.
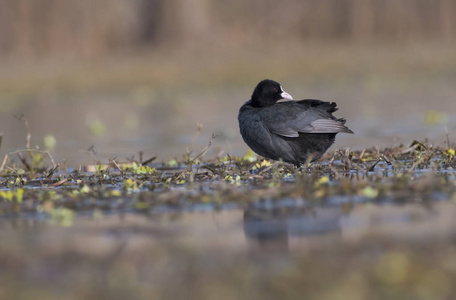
(269, 225)
(267, 231)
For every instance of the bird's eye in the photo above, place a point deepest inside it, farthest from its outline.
(275, 90)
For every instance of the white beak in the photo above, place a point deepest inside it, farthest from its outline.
(285, 95)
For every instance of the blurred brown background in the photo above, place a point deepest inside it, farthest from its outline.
(126, 76)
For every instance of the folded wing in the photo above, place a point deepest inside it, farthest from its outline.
(308, 116)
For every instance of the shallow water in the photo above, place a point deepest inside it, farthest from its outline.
(258, 237)
(258, 252)
(292, 225)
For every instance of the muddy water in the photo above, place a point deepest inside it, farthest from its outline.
(236, 254)
(236, 230)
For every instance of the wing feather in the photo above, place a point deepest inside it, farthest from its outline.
(328, 126)
(306, 116)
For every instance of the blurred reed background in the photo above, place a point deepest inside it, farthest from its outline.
(84, 29)
(126, 76)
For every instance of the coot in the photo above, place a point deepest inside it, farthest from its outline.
(289, 130)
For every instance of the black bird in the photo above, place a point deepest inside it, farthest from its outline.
(292, 130)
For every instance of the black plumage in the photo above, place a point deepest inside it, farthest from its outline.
(290, 130)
